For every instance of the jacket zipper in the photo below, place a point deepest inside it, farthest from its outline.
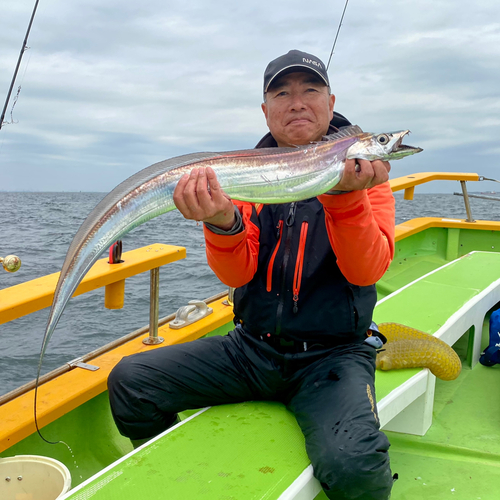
(289, 222)
(279, 234)
(297, 277)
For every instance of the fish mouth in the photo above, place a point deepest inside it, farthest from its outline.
(405, 149)
(398, 144)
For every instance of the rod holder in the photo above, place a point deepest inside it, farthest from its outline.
(11, 263)
(154, 305)
(114, 295)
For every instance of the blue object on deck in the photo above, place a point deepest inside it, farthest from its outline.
(491, 356)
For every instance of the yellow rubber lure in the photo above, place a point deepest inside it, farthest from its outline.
(407, 347)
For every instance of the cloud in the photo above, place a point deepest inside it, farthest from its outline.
(109, 88)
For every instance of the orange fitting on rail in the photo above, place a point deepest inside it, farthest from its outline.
(114, 295)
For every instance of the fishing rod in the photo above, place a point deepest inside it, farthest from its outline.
(23, 50)
(492, 198)
(337, 35)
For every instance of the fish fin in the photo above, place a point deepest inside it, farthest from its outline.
(258, 152)
(344, 132)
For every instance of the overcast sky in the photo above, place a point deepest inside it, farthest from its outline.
(110, 87)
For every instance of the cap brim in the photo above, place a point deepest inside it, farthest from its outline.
(293, 68)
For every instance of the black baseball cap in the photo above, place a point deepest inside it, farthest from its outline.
(295, 60)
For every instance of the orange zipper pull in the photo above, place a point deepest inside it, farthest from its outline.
(297, 278)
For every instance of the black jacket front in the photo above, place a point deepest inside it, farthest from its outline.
(321, 306)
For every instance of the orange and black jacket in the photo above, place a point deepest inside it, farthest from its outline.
(306, 270)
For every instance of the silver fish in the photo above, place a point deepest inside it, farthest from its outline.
(271, 175)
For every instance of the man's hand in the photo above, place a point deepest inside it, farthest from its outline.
(198, 196)
(367, 175)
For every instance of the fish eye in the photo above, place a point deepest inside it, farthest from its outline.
(383, 139)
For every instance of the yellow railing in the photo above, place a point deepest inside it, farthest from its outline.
(70, 386)
(409, 182)
(23, 299)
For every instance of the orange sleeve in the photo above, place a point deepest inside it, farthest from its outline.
(234, 258)
(360, 228)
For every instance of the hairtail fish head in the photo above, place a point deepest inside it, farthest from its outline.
(386, 146)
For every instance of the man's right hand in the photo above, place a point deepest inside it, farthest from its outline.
(198, 196)
(363, 174)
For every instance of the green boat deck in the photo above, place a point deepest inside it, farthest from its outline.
(459, 457)
(238, 452)
(256, 450)
(453, 460)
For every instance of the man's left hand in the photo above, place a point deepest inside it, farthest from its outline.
(198, 196)
(367, 175)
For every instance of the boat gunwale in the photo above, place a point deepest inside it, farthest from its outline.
(80, 386)
(9, 396)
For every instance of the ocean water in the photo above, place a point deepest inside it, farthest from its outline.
(38, 227)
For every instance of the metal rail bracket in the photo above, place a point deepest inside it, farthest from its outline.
(187, 315)
(78, 363)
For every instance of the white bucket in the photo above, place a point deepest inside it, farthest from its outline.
(31, 477)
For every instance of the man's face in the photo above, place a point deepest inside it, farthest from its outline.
(298, 109)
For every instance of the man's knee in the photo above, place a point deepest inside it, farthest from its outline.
(135, 411)
(122, 376)
(356, 466)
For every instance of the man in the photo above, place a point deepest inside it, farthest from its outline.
(304, 275)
